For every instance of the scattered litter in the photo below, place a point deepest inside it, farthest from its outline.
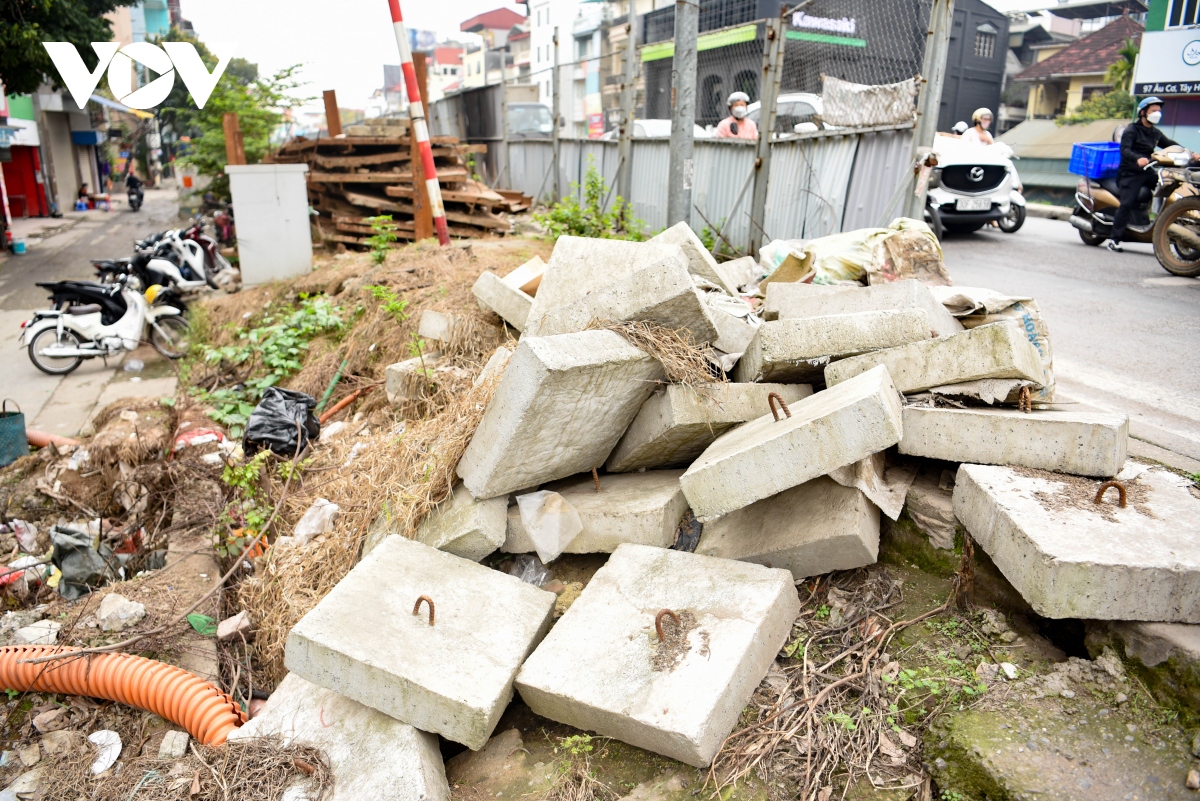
(551, 522)
(283, 423)
(83, 566)
(109, 745)
(25, 533)
(133, 365)
(318, 520)
(529, 569)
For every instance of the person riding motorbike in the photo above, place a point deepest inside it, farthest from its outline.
(736, 125)
(1137, 144)
(978, 133)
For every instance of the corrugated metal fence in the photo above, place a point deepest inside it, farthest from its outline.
(819, 185)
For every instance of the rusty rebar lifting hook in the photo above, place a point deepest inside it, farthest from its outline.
(1025, 400)
(658, 619)
(771, 399)
(1105, 486)
(596, 478)
(417, 607)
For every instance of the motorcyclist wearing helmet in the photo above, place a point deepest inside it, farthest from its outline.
(978, 133)
(1137, 144)
(737, 125)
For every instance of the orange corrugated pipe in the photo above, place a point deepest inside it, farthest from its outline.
(40, 439)
(169, 692)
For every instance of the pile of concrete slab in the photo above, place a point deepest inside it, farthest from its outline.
(585, 447)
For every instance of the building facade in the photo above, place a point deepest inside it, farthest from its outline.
(1168, 65)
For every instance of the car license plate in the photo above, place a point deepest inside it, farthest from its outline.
(972, 204)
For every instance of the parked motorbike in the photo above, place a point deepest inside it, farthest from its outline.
(1096, 202)
(149, 272)
(136, 196)
(214, 262)
(117, 318)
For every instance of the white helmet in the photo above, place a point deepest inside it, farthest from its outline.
(960, 128)
(735, 97)
(981, 112)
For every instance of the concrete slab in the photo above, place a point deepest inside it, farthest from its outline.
(1082, 443)
(560, 408)
(642, 508)
(780, 293)
(700, 261)
(371, 755)
(452, 678)
(528, 276)
(909, 294)
(931, 509)
(734, 320)
(1070, 558)
(677, 423)
(765, 457)
(799, 350)
(497, 363)
(603, 669)
(510, 303)
(811, 529)
(464, 526)
(664, 294)
(436, 326)
(997, 350)
(406, 380)
(580, 265)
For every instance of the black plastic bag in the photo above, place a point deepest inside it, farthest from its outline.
(83, 567)
(273, 423)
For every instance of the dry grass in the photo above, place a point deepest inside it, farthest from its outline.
(683, 361)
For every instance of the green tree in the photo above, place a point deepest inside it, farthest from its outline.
(1120, 73)
(25, 24)
(1115, 105)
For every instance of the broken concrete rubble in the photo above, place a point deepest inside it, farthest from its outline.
(817, 527)
(464, 526)
(798, 349)
(437, 326)
(497, 363)
(1072, 558)
(407, 380)
(642, 508)
(997, 350)
(781, 293)
(931, 508)
(560, 408)
(700, 261)
(116, 612)
(825, 431)
(510, 303)
(678, 422)
(1081, 443)
(734, 320)
(370, 754)
(791, 303)
(663, 294)
(444, 664)
(603, 668)
(580, 265)
(528, 276)
(235, 627)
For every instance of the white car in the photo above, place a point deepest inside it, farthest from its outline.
(654, 129)
(973, 186)
(798, 112)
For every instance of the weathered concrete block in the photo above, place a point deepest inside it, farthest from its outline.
(700, 261)
(406, 380)
(677, 423)
(1082, 443)
(528, 276)
(789, 303)
(642, 508)
(997, 350)
(497, 363)
(562, 404)
(493, 294)
(663, 294)
(452, 678)
(580, 265)
(811, 529)
(763, 458)
(931, 509)
(464, 526)
(734, 320)
(782, 292)
(436, 326)
(371, 754)
(603, 669)
(799, 350)
(1071, 558)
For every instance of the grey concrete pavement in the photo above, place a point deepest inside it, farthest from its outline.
(1125, 332)
(62, 405)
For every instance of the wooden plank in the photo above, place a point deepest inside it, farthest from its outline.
(451, 174)
(422, 210)
(235, 149)
(333, 118)
(394, 141)
(451, 196)
(360, 161)
(373, 202)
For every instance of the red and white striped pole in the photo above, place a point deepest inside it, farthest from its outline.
(416, 113)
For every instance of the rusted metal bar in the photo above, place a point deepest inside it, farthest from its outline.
(417, 607)
(1105, 486)
(774, 397)
(658, 619)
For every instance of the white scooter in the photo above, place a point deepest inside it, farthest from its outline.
(59, 339)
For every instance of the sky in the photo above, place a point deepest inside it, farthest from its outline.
(343, 46)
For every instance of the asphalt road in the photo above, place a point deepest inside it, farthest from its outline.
(1125, 333)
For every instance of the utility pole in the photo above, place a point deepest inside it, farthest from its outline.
(683, 112)
(628, 107)
(772, 76)
(557, 112)
(929, 102)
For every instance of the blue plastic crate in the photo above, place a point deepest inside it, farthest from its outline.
(1095, 160)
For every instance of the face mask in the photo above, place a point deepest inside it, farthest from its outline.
(1154, 117)
(739, 112)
